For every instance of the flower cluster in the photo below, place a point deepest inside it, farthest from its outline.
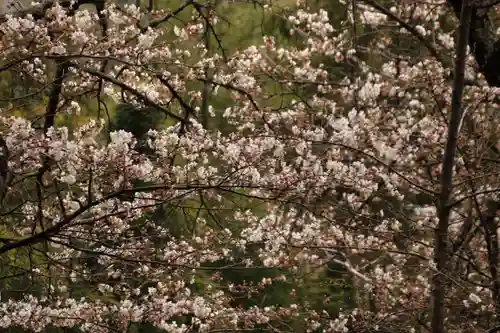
(328, 153)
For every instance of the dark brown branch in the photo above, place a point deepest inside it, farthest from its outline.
(55, 229)
(187, 108)
(441, 250)
(490, 226)
(125, 87)
(54, 96)
(164, 19)
(432, 49)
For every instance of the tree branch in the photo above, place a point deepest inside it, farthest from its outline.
(429, 45)
(441, 251)
(124, 86)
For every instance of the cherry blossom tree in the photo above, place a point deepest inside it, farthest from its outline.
(349, 147)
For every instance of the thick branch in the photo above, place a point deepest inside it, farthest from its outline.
(441, 253)
(489, 224)
(54, 95)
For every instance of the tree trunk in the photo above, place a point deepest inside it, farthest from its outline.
(442, 248)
